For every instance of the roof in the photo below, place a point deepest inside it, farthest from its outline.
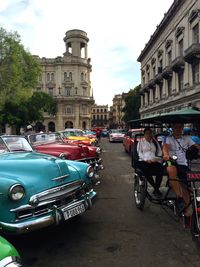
(186, 115)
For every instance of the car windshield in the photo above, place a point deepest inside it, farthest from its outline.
(44, 138)
(72, 133)
(14, 143)
(118, 131)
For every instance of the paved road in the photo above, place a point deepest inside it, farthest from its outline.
(114, 233)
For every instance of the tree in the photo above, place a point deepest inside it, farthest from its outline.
(19, 73)
(19, 70)
(132, 104)
(21, 113)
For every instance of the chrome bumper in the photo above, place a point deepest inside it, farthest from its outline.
(55, 216)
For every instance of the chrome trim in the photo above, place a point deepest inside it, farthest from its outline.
(55, 216)
(56, 192)
(10, 191)
(10, 261)
(60, 177)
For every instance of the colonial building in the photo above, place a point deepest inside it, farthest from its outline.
(100, 115)
(170, 61)
(116, 112)
(67, 78)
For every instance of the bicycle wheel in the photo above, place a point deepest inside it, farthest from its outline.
(195, 228)
(140, 189)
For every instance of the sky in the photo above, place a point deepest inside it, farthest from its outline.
(117, 32)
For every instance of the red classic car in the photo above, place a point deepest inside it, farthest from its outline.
(53, 144)
(128, 139)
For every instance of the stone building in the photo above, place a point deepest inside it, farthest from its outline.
(170, 61)
(67, 78)
(100, 115)
(116, 111)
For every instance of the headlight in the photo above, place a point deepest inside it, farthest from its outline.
(98, 150)
(62, 156)
(16, 192)
(90, 171)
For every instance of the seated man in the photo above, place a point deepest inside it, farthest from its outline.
(176, 145)
(149, 153)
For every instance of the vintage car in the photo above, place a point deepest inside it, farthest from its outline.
(129, 139)
(78, 134)
(9, 256)
(116, 135)
(38, 190)
(53, 144)
(74, 140)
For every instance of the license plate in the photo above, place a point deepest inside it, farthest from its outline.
(74, 211)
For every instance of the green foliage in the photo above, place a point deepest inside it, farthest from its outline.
(19, 72)
(132, 104)
(20, 113)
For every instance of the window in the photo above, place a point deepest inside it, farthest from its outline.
(180, 47)
(93, 117)
(161, 91)
(84, 109)
(195, 72)
(105, 117)
(50, 91)
(70, 76)
(67, 91)
(52, 76)
(82, 76)
(69, 109)
(48, 77)
(65, 76)
(101, 117)
(169, 85)
(101, 110)
(148, 76)
(195, 32)
(180, 81)
(154, 70)
(169, 57)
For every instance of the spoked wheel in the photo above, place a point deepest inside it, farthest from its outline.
(140, 189)
(195, 228)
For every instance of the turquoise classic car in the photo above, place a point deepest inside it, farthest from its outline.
(9, 257)
(38, 190)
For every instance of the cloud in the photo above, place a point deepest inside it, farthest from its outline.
(118, 31)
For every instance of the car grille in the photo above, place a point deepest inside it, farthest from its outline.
(47, 204)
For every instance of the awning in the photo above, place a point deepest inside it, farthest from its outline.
(186, 115)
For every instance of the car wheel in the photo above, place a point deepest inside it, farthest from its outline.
(140, 189)
(195, 228)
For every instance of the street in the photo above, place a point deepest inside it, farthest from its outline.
(113, 233)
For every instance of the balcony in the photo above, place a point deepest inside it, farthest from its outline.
(192, 53)
(178, 64)
(151, 84)
(144, 88)
(167, 72)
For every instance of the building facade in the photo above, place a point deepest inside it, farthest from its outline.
(170, 77)
(100, 115)
(67, 79)
(116, 113)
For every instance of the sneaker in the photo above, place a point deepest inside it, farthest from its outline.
(157, 193)
(180, 205)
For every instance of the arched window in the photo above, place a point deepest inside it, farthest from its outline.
(52, 76)
(51, 127)
(70, 76)
(48, 77)
(69, 124)
(65, 76)
(82, 76)
(84, 125)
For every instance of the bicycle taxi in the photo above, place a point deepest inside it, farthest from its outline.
(142, 189)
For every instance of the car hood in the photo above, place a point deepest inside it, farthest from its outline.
(36, 170)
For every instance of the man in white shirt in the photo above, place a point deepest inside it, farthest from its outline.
(176, 145)
(150, 153)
